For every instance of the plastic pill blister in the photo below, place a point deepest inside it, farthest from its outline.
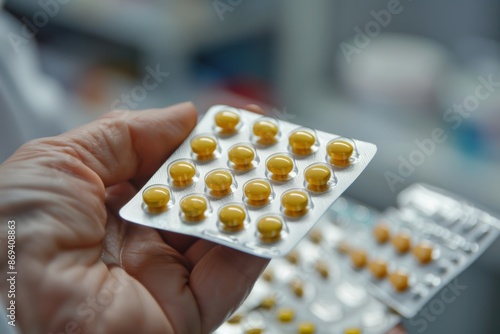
(308, 292)
(410, 253)
(249, 182)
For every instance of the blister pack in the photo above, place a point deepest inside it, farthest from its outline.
(412, 252)
(249, 182)
(308, 292)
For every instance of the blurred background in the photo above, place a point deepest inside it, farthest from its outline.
(389, 72)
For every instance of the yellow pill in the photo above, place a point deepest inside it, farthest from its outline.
(267, 275)
(359, 258)
(257, 192)
(204, 146)
(219, 182)
(241, 155)
(343, 247)
(340, 151)
(297, 287)
(279, 166)
(378, 268)
(322, 269)
(315, 236)
(353, 330)
(182, 173)
(270, 228)
(399, 280)
(227, 121)
(317, 177)
(156, 197)
(301, 142)
(306, 328)
(423, 252)
(381, 233)
(293, 257)
(254, 331)
(295, 202)
(235, 319)
(402, 243)
(268, 303)
(286, 315)
(232, 216)
(266, 131)
(194, 207)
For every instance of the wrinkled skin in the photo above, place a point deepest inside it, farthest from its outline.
(81, 268)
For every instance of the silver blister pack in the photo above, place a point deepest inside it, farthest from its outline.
(308, 291)
(220, 197)
(432, 237)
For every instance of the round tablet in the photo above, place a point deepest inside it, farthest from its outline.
(306, 327)
(268, 302)
(204, 146)
(401, 242)
(381, 233)
(423, 252)
(232, 216)
(156, 197)
(285, 315)
(295, 202)
(235, 319)
(254, 330)
(219, 182)
(257, 192)
(378, 268)
(266, 130)
(322, 269)
(315, 236)
(267, 275)
(317, 177)
(399, 280)
(193, 207)
(280, 166)
(301, 142)
(293, 257)
(359, 258)
(241, 155)
(227, 120)
(352, 330)
(182, 173)
(270, 227)
(340, 151)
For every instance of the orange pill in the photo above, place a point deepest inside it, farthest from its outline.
(402, 243)
(381, 233)
(423, 252)
(399, 280)
(359, 258)
(378, 268)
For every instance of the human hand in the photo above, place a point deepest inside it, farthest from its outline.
(81, 268)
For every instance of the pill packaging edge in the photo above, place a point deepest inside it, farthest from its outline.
(247, 240)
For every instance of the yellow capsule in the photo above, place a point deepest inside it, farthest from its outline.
(241, 156)
(235, 319)
(295, 202)
(340, 151)
(156, 198)
(232, 216)
(270, 228)
(286, 315)
(227, 121)
(382, 233)
(322, 269)
(352, 330)
(359, 258)
(293, 257)
(268, 303)
(182, 173)
(297, 287)
(204, 146)
(402, 243)
(194, 207)
(219, 182)
(317, 177)
(399, 280)
(301, 142)
(255, 330)
(423, 252)
(378, 268)
(257, 192)
(279, 166)
(266, 131)
(306, 327)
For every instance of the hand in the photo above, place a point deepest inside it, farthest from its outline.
(82, 269)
